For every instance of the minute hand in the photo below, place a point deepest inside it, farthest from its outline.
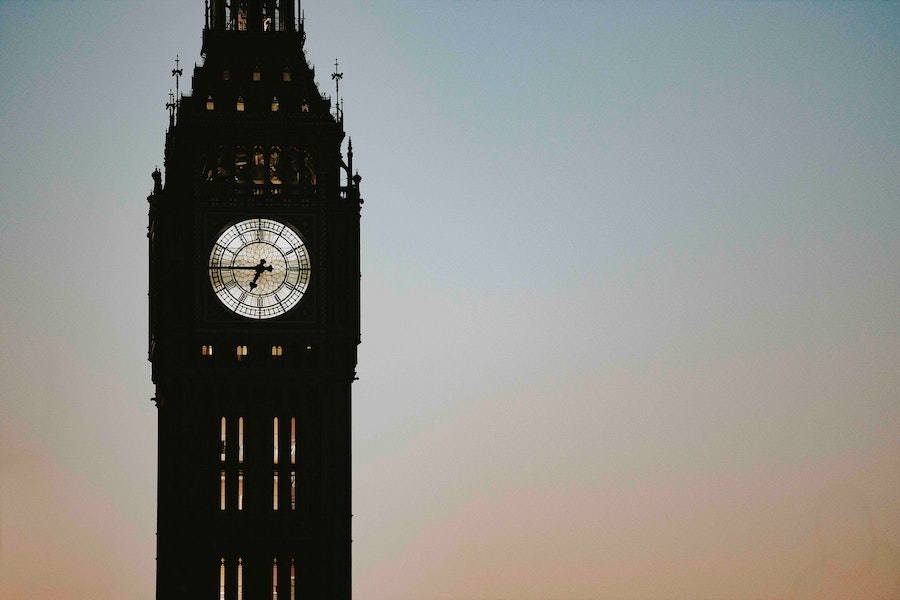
(269, 268)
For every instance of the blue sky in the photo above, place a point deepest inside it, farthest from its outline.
(630, 295)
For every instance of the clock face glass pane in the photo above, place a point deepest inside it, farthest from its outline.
(259, 268)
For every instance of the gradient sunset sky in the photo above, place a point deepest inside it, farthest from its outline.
(631, 295)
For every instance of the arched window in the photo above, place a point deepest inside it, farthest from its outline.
(239, 15)
(270, 16)
(258, 165)
(224, 164)
(275, 166)
(309, 167)
(291, 168)
(240, 104)
(241, 352)
(206, 350)
(210, 105)
(240, 165)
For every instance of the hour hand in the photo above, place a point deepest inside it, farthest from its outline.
(259, 269)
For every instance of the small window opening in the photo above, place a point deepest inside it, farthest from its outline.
(274, 104)
(241, 352)
(240, 104)
(226, 75)
(277, 351)
(293, 581)
(210, 105)
(222, 490)
(256, 74)
(206, 350)
(286, 75)
(240, 490)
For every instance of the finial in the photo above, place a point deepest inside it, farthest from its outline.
(171, 106)
(177, 73)
(337, 90)
(175, 98)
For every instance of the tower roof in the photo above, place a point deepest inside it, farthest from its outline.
(254, 63)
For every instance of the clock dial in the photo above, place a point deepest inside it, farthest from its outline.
(259, 268)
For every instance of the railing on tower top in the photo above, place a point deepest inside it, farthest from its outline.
(253, 15)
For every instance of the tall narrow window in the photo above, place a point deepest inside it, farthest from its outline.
(210, 105)
(222, 579)
(293, 490)
(275, 491)
(274, 104)
(286, 75)
(222, 449)
(240, 104)
(275, 579)
(222, 490)
(206, 350)
(240, 490)
(293, 581)
(256, 74)
(277, 351)
(293, 441)
(241, 352)
(275, 440)
(240, 579)
(241, 439)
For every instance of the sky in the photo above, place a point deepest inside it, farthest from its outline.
(630, 299)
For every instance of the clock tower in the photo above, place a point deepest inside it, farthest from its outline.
(254, 319)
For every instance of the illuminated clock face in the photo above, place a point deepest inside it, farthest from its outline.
(259, 268)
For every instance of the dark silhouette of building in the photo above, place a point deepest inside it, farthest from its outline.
(254, 319)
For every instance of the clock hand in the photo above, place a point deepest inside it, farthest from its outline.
(233, 267)
(259, 269)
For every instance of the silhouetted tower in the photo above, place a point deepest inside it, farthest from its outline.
(254, 320)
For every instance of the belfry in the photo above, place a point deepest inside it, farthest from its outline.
(254, 319)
